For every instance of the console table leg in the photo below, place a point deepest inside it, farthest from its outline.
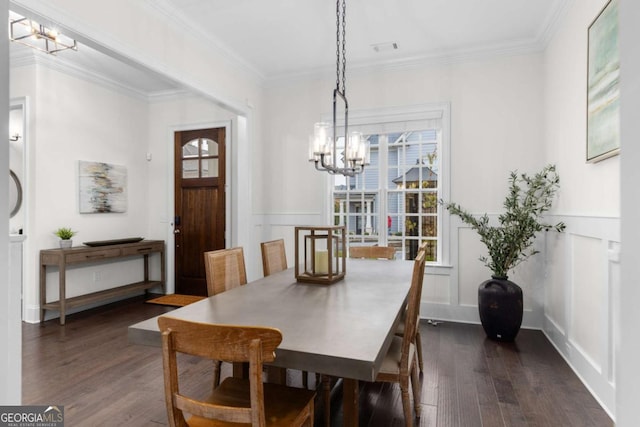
(62, 287)
(43, 290)
(163, 278)
(146, 268)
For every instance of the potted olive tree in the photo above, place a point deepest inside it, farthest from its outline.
(65, 234)
(508, 244)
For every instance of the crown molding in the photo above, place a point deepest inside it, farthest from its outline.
(553, 20)
(436, 58)
(106, 43)
(174, 17)
(27, 58)
(180, 21)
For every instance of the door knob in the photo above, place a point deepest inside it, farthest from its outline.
(176, 231)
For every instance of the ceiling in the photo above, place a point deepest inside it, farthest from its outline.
(281, 38)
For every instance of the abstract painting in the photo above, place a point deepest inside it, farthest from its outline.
(103, 187)
(603, 92)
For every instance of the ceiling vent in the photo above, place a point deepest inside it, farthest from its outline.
(385, 47)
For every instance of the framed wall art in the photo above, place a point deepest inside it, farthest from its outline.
(603, 92)
(103, 187)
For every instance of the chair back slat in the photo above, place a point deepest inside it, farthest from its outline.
(274, 257)
(225, 269)
(372, 252)
(219, 342)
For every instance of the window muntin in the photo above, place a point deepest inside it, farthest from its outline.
(394, 201)
(200, 159)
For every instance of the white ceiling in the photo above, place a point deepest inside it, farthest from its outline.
(282, 37)
(279, 38)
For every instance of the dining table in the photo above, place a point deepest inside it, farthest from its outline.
(343, 329)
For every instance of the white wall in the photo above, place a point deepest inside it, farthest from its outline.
(583, 266)
(496, 126)
(71, 120)
(627, 316)
(210, 73)
(10, 330)
(517, 112)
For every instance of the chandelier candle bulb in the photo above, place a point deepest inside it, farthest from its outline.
(319, 142)
(367, 153)
(354, 146)
(314, 155)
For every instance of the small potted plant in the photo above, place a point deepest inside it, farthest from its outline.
(508, 244)
(65, 234)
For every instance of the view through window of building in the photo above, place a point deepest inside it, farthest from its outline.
(394, 201)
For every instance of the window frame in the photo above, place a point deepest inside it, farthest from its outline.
(394, 119)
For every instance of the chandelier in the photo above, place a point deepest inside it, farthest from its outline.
(325, 141)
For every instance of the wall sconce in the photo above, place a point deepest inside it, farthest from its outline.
(320, 254)
(30, 33)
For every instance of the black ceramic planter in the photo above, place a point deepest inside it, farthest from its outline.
(500, 306)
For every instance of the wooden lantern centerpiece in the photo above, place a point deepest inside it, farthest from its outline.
(320, 254)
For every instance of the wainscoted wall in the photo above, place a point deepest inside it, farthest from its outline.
(570, 287)
(582, 266)
(570, 290)
(583, 270)
(277, 226)
(451, 291)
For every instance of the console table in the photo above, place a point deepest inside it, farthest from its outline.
(62, 258)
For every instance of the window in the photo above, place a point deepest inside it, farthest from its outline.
(200, 159)
(394, 202)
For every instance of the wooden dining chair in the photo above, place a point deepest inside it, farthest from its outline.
(399, 364)
(367, 252)
(274, 258)
(224, 269)
(401, 326)
(386, 252)
(236, 400)
(372, 252)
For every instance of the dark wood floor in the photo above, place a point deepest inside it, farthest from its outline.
(101, 380)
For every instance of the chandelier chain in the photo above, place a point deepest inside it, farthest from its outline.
(338, 45)
(324, 148)
(344, 46)
(341, 46)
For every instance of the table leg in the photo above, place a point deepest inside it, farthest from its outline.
(276, 375)
(240, 370)
(350, 402)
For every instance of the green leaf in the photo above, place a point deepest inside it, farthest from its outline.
(528, 198)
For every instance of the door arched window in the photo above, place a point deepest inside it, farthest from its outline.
(200, 159)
